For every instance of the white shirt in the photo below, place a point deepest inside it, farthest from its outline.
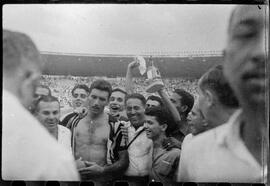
(187, 139)
(29, 152)
(139, 152)
(219, 155)
(64, 137)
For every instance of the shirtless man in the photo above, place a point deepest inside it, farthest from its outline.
(91, 133)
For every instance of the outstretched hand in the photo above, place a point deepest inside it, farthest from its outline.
(92, 170)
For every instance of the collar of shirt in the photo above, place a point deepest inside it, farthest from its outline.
(230, 138)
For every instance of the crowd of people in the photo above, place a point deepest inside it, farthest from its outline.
(61, 86)
(210, 130)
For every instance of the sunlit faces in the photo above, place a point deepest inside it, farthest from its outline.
(117, 102)
(196, 121)
(245, 54)
(98, 99)
(80, 98)
(48, 113)
(153, 128)
(135, 111)
(152, 103)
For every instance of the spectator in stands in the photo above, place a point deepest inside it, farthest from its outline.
(238, 147)
(80, 94)
(28, 151)
(91, 135)
(117, 104)
(164, 162)
(139, 145)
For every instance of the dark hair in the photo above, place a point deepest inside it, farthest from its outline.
(16, 47)
(47, 99)
(80, 86)
(215, 81)
(136, 96)
(46, 87)
(102, 85)
(163, 116)
(186, 99)
(155, 98)
(119, 90)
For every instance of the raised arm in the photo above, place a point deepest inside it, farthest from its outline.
(129, 76)
(169, 105)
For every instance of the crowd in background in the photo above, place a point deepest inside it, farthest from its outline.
(61, 86)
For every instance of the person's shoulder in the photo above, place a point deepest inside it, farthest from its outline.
(174, 152)
(63, 129)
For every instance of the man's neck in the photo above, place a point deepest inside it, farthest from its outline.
(53, 131)
(222, 115)
(158, 141)
(93, 116)
(254, 132)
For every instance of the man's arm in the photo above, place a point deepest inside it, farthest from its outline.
(108, 171)
(169, 105)
(129, 76)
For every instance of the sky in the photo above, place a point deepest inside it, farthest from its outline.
(121, 29)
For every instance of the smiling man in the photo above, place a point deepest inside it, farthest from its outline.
(117, 104)
(80, 94)
(48, 113)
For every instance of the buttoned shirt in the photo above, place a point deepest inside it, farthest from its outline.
(164, 165)
(29, 152)
(220, 155)
(139, 152)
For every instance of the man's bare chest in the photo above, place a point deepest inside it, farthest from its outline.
(92, 132)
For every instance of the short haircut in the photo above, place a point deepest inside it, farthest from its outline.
(136, 96)
(80, 86)
(215, 81)
(119, 90)
(102, 85)
(186, 99)
(16, 48)
(163, 116)
(46, 99)
(46, 87)
(155, 98)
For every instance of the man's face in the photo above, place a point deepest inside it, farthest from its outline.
(152, 103)
(117, 102)
(31, 74)
(153, 128)
(245, 55)
(135, 111)
(48, 113)
(98, 99)
(176, 100)
(202, 102)
(79, 98)
(196, 120)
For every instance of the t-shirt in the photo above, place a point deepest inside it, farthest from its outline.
(29, 152)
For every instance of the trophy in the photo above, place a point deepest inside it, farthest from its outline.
(154, 80)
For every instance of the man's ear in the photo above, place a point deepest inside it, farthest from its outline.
(210, 98)
(184, 108)
(164, 127)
